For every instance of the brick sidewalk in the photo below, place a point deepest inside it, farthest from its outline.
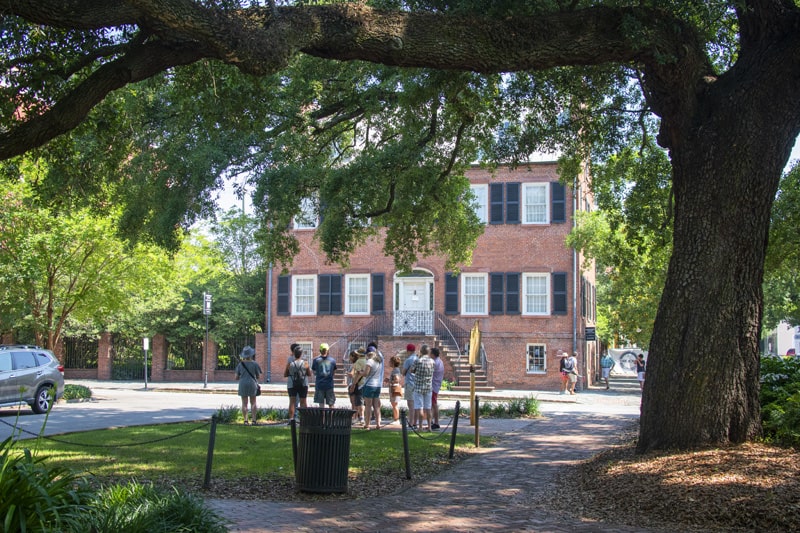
(498, 489)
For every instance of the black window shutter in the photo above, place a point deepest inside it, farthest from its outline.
(450, 294)
(324, 289)
(378, 281)
(512, 293)
(512, 203)
(283, 294)
(559, 293)
(330, 294)
(336, 294)
(495, 294)
(495, 203)
(558, 201)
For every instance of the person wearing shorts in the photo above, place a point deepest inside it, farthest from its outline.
(408, 376)
(297, 386)
(423, 386)
(372, 387)
(323, 368)
(436, 385)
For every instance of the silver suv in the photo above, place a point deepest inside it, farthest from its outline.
(30, 374)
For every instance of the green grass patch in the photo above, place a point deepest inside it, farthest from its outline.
(178, 451)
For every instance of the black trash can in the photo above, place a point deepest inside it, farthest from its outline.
(323, 451)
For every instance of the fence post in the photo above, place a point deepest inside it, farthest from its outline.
(455, 428)
(407, 456)
(210, 456)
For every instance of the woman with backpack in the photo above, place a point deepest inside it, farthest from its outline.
(297, 371)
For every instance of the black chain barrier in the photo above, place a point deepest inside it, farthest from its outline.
(61, 441)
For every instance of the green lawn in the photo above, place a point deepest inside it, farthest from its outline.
(178, 451)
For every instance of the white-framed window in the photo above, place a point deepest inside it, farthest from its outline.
(536, 358)
(304, 295)
(357, 294)
(307, 219)
(308, 351)
(481, 193)
(474, 296)
(535, 203)
(535, 294)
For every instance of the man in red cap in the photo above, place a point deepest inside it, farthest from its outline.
(411, 358)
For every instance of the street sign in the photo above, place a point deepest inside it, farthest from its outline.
(206, 304)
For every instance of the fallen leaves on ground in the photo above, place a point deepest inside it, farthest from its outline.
(747, 487)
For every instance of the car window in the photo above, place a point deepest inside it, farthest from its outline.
(5, 362)
(42, 359)
(24, 360)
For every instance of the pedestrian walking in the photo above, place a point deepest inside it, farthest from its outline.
(607, 364)
(641, 367)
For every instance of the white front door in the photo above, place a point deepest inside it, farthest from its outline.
(414, 313)
(414, 296)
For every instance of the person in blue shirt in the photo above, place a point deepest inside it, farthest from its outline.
(323, 368)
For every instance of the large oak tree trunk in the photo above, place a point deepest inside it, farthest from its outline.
(702, 385)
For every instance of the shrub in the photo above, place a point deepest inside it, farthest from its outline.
(76, 392)
(780, 399)
(38, 497)
(515, 408)
(135, 508)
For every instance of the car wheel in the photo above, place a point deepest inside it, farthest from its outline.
(42, 400)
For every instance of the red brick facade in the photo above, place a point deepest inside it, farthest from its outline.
(525, 286)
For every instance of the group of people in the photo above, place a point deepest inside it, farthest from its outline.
(423, 375)
(417, 378)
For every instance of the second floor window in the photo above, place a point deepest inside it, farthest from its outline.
(536, 294)
(357, 287)
(481, 193)
(304, 292)
(535, 203)
(474, 294)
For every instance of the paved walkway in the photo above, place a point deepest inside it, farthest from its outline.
(498, 489)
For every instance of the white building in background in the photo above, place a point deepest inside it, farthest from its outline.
(782, 339)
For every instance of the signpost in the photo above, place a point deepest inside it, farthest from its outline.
(474, 350)
(207, 312)
(146, 346)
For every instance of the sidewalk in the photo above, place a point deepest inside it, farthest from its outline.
(499, 489)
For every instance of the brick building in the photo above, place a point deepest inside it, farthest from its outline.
(525, 288)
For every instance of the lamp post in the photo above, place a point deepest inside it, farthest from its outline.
(207, 312)
(146, 346)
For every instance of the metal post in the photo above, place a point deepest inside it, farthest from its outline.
(210, 456)
(406, 455)
(455, 428)
(207, 312)
(205, 356)
(477, 423)
(145, 345)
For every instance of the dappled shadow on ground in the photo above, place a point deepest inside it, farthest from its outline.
(749, 487)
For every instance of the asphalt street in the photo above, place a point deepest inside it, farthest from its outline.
(118, 404)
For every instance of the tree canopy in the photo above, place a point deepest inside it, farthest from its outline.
(417, 90)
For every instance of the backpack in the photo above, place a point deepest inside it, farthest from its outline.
(298, 373)
(569, 365)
